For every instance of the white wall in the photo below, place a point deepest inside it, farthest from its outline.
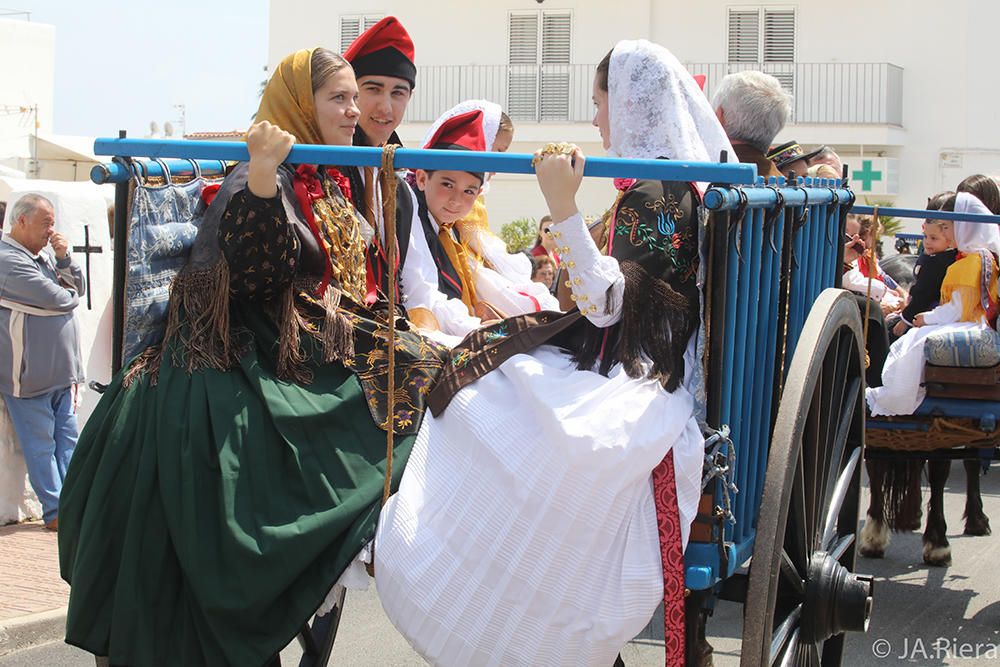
(443, 28)
(27, 51)
(950, 94)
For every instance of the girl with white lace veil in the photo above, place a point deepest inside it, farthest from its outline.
(650, 78)
(965, 306)
(543, 515)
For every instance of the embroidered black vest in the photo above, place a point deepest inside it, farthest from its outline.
(449, 282)
(376, 259)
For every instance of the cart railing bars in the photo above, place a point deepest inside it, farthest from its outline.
(772, 249)
(418, 158)
(923, 214)
(122, 171)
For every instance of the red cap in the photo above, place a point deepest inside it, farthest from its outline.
(700, 80)
(464, 132)
(385, 49)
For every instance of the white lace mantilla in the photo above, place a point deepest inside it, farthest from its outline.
(657, 108)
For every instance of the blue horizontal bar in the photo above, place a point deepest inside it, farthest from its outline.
(113, 172)
(728, 199)
(412, 158)
(954, 407)
(923, 214)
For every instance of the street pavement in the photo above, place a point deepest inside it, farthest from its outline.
(922, 615)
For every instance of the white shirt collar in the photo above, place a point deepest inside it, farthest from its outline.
(9, 240)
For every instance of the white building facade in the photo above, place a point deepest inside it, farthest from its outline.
(28, 63)
(902, 89)
(28, 144)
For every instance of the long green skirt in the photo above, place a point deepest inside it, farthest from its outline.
(204, 519)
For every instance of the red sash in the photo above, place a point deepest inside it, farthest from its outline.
(668, 523)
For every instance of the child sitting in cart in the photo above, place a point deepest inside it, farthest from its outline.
(968, 302)
(476, 279)
(938, 254)
(882, 288)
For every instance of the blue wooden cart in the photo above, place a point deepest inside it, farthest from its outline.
(784, 370)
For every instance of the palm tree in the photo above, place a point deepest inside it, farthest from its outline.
(888, 225)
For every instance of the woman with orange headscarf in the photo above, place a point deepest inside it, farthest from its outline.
(231, 475)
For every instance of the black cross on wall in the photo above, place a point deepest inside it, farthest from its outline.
(87, 249)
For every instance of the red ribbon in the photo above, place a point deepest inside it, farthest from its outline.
(208, 193)
(372, 282)
(308, 189)
(342, 181)
(624, 184)
(668, 524)
(538, 305)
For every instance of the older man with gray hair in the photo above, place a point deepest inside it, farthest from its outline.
(753, 108)
(40, 362)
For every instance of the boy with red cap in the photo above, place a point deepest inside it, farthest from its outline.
(382, 58)
(474, 279)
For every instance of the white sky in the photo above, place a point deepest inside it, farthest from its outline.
(120, 65)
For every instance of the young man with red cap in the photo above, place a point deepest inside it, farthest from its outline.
(382, 58)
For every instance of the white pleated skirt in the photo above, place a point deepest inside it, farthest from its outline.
(524, 530)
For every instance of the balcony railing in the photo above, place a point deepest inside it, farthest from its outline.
(824, 93)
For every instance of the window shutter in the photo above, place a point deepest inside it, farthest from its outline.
(779, 46)
(779, 35)
(522, 92)
(523, 40)
(744, 35)
(555, 93)
(350, 28)
(554, 77)
(555, 38)
(522, 75)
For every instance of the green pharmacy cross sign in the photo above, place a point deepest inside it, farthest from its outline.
(866, 175)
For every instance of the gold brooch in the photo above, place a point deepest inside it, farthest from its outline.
(561, 148)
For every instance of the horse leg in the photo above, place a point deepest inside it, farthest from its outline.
(913, 519)
(937, 551)
(698, 652)
(976, 521)
(875, 536)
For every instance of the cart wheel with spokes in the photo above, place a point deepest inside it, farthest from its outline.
(802, 594)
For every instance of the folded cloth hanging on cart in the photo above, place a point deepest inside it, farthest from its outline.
(163, 224)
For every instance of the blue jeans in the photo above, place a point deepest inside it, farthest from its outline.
(46, 427)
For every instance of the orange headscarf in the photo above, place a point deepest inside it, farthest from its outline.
(288, 98)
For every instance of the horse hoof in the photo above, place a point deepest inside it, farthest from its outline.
(978, 526)
(702, 655)
(875, 537)
(937, 556)
(867, 552)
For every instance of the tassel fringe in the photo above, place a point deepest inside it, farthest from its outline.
(337, 333)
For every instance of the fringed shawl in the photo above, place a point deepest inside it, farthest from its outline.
(199, 331)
